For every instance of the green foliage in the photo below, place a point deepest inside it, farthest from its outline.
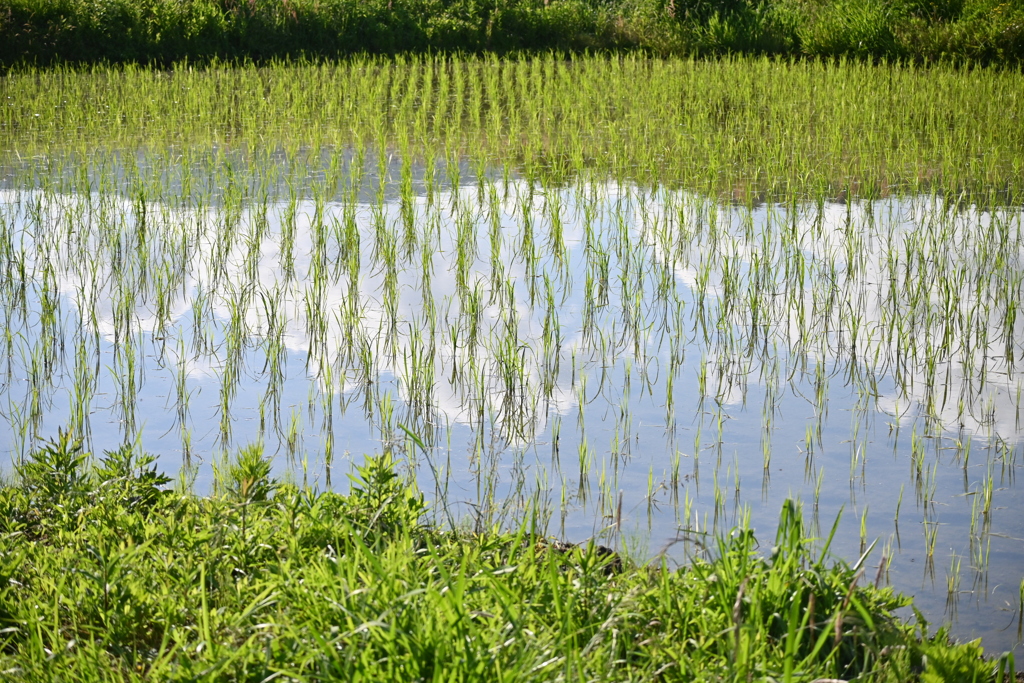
(863, 28)
(319, 586)
(53, 489)
(964, 662)
(166, 31)
(248, 477)
(131, 479)
(934, 10)
(750, 28)
(56, 472)
(57, 490)
(381, 498)
(9, 563)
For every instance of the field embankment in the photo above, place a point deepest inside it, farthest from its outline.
(167, 31)
(123, 579)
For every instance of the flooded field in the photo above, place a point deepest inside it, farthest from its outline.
(627, 351)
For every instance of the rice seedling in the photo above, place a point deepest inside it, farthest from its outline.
(1020, 610)
(953, 582)
(931, 535)
(863, 530)
(981, 548)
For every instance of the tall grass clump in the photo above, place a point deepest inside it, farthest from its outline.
(164, 32)
(84, 31)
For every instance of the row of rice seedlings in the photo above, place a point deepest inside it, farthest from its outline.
(722, 126)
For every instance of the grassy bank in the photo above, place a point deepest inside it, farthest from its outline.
(106, 575)
(166, 31)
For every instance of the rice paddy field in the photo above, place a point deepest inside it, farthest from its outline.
(641, 299)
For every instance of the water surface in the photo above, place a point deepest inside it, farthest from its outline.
(641, 365)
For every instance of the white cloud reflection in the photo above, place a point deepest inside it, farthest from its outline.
(348, 291)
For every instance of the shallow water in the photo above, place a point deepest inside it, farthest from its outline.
(641, 365)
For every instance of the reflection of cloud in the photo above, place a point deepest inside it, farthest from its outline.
(910, 288)
(925, 267)
(290, 281)
(192, 366)
(726, 380)
(691, 277)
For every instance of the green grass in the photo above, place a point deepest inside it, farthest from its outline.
(165, 31)
(105, 574)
